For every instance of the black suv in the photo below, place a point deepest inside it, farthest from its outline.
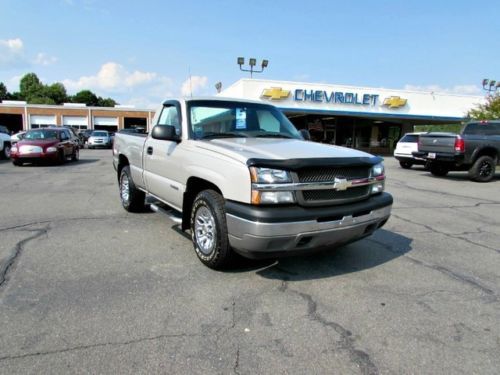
(476, 149)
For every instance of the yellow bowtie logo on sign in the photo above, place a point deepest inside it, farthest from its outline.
(394, 102)
(275, 93)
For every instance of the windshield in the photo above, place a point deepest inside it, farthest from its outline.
(99, 134)
(221, 119)
(41, 134)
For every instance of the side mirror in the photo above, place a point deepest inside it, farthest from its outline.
(305, 134)
(165, 133)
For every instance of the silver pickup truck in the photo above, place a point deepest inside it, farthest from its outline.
(242, 178)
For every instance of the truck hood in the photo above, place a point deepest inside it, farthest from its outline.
(243, 149)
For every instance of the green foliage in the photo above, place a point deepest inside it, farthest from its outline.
(31, 87)
(42, 100)
(108, 102)
(451, 128)
(85, 96)
(3, 91)
(488, 111)
(56, 92)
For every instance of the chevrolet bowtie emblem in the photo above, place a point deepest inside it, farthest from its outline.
(394, 102)
(275, 93)
(341, 184)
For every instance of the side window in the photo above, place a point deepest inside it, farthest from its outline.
(170, 116)
(64, 136)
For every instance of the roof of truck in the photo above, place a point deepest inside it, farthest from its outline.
(215, 98)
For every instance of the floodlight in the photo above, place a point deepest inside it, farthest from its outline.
(252, 62)
(241, 60)
(265, 63)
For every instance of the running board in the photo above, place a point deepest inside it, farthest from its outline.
(171, 214)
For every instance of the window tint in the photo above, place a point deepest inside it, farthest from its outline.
(170, 116)
(410, 138)
(486, 128)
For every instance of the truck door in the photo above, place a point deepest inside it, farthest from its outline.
(161, 160)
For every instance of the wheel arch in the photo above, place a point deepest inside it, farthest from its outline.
(122, 162)
(194, 185)
(485, 151)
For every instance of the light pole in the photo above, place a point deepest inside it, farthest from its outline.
(252, 62)
(490, 85)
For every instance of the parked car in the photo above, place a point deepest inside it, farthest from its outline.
(47, 144)
(476, 150)
(404, 149)
(17, 137)
(74, 136)
(99, 138)
(84, 135)
(5, 142)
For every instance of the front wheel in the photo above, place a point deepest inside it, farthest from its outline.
(132, 198)
(76, 154)
(483, 169)
(209, 230)
(6, 151)
(17, 163)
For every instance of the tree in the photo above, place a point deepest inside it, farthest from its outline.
(108, 102)
(85, 96)
(4, 94)
(30, 86)
(488, 111)
(56, 92)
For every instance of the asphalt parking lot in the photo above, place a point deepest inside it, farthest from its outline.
(86, 287)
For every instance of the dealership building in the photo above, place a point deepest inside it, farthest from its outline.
(370, 119)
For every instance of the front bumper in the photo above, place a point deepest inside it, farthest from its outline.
(273, 231)
(34, 157)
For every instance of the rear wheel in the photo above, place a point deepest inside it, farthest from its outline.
(438, 169)
(6, 151)
(483, 169)
(209, 230)
(132, 198)
(406, 164)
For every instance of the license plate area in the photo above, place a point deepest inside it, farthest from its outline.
(431, 155)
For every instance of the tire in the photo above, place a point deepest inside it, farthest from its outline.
(61, 159)
(483, 170)
(76, 154)
(6, 151)
(438, 169)
(17, 163)
(406, 164)
(209, 230)
(132, 198)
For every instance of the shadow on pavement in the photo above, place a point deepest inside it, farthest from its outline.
(382, 247)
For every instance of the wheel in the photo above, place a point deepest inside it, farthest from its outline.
(61, 158)
(17, 163)
(483, 169)
(438, 169)
(209, 230)
(6, 151)
(132, 198)
(76, 154)
(405, 164)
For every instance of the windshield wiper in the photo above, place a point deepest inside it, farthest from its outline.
(273, 135)
(223, 135)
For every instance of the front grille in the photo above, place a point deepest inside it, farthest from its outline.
(325, 174)
(331, 196)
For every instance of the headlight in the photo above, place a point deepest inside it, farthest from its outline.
(51, 149)
(266, 176)
(13, 149)
(378, 172)
(269, 176)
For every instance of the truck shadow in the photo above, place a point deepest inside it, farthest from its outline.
(382, 247)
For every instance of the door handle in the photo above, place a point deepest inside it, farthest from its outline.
(150, 150)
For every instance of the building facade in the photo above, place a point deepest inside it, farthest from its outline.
(370, 119)
(18, 116)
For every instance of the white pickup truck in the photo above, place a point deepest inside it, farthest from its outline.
(242, 178)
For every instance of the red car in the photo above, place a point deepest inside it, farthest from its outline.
(48, 144)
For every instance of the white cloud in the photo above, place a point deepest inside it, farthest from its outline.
(194, 85)
(111, 77)
(44, 59)
(457, 89)
(11, 53)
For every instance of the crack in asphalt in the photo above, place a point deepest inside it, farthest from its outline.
(99, 345)
(357, 356)
(55, 221)
(237, 361)
(450, 273)
(10, 262)
(454, 236)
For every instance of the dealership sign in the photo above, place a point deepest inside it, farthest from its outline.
(337, 97)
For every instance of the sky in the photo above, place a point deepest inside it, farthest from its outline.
(142, 52)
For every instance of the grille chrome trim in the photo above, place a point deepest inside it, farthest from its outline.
(316, 185)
